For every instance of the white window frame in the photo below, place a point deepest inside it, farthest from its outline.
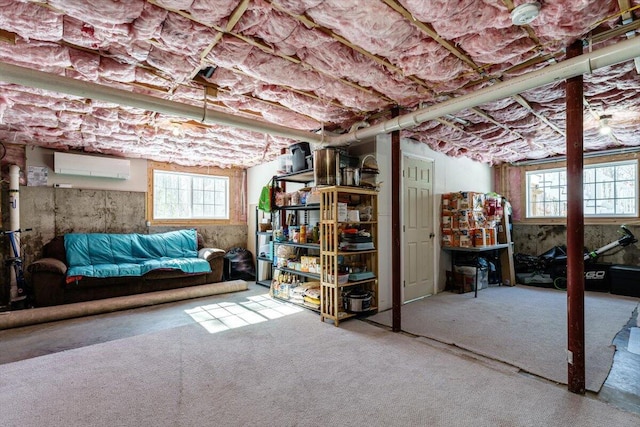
(194, 205)
(557, 181)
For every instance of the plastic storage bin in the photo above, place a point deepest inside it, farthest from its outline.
(597, 277)
(625, 280)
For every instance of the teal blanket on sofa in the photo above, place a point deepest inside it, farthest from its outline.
(112, 255)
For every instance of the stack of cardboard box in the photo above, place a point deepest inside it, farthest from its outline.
(470, 219)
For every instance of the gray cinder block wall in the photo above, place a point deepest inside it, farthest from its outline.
(53, 211)
(537, 239)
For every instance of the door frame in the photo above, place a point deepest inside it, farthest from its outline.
(433, 215)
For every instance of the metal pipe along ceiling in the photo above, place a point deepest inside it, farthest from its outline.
(33, 78)
(582, 64)
(610, 55)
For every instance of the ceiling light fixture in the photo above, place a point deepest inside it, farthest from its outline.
(525, 13)
(605, 129)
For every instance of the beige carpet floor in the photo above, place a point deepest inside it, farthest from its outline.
(262, 363)
(523, 326)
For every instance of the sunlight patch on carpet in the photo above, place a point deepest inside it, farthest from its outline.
(230, 315)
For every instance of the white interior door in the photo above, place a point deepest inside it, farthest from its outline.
(418, 232)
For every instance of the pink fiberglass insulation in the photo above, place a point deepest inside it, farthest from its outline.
(306, 64)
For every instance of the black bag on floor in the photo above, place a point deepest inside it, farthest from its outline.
(238, 265)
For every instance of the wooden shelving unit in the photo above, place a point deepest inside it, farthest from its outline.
(334, 261)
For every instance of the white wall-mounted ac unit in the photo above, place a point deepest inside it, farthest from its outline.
(79, 164)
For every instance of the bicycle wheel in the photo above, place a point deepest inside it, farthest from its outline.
(560, 283)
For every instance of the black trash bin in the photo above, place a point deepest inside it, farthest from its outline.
(625, 280)
(238, 264)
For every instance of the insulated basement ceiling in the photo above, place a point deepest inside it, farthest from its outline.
(310, 65)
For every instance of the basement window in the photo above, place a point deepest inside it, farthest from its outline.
(610, 190)
(187, 196)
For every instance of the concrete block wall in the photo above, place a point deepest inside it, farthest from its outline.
(537, 239)
(51, 211)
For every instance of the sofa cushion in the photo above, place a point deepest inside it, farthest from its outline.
(106, 270)
(111, 255)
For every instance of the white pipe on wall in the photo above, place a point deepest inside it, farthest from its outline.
(14, 222)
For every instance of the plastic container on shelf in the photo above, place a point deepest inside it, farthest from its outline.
(342, 278)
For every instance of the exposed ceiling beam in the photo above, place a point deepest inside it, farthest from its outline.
(627, 18)
(586, 63)
(228, 30)
(583, 64)
(310, 23)
(212, 90)
(462, 129)
(427, 29)
(7, 37)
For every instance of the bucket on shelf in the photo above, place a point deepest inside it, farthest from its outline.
(326, 162)
(299, 154)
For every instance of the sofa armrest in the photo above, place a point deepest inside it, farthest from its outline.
(48, 265)
(215, 257)
(210, 254)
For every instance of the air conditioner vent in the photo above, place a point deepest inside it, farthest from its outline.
(83, 165)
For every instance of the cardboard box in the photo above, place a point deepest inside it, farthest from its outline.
(469, 276)
(466, 238)
(447, 222)
(447, 238)
(481, 237)
(471, 200)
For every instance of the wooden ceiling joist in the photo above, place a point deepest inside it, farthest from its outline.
(228, 30)
(428, 30)
(7, 37)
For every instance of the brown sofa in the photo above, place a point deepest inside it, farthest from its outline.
(49, 285)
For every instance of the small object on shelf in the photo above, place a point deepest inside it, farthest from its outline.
(362, 275)
(299, 154)
(342, 278)
(364, 246)
(264, 227)
(357, 301)
(369, 171)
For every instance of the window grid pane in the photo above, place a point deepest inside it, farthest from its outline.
(546, 193)
(609, 190)
(190, 196)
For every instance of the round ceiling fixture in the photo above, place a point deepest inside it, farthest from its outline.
(525, 13)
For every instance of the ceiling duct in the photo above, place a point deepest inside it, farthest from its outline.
(583, 64)
(33, 78)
